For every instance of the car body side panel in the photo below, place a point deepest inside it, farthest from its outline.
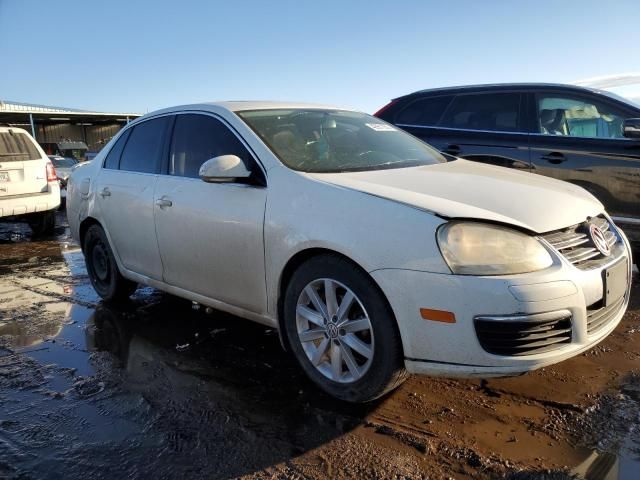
(303, 213)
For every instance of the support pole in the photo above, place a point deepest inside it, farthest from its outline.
(33, 128)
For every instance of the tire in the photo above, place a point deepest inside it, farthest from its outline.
(43, 224)
(102, 267)
(357, 369)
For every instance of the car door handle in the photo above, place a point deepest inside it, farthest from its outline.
(452, 150)
(554, 157)
(105, 192)
(164, 202)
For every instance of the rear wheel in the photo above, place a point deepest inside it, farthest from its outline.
(43, 223)
(102, 267)
(342, 331)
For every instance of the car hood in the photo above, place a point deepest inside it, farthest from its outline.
(464, 189)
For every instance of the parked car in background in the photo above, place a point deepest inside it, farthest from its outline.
(29, 189)
(368, 251)
(67, 148)
(585, 136)
(64, 166)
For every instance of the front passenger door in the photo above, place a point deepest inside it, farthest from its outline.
(211, 234)
(580, 139)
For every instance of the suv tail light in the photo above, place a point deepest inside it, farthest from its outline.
(379, 112)
(51, 173)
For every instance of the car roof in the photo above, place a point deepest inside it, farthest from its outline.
(505, 86)
(238, 106)
(15, 129)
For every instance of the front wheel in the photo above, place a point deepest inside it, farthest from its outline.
(342, 331)
(102, 267)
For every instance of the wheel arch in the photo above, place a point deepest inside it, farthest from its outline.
(300, 258)
(84, 226)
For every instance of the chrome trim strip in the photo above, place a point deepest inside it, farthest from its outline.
(635, 221)
(534, 317)
(537, 134)
(458, 129)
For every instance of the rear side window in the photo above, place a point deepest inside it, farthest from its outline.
(495, 112)
(113, 157)
(143, 150)
(17, 147)
(198, 138)
(425, 112)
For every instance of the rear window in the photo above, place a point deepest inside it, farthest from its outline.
(493, 112)
(17, 147)
(425, 112)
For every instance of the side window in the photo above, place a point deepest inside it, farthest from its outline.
(113, 157)
(424, 112)
(494, 112)
(198, 138)
(143, 150)
(577, 117)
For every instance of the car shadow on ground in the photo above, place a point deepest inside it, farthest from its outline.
(153, 386)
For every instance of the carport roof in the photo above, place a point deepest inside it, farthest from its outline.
(26, 108)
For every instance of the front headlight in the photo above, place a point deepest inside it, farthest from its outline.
(481, 249)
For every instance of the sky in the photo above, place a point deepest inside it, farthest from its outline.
(138, 56)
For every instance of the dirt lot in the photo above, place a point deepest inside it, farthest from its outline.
(159, 389)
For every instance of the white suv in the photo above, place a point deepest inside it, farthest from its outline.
(370, 253)
(29, 188)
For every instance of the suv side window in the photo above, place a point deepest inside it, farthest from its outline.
(198, 138)
(143, 150)
(574, 116)
(113, 157)
(486, 111)
(425, 112)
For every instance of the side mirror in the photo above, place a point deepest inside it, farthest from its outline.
(225, 168)
(631, 128)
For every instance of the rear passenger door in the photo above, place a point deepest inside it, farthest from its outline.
(485, 127)
(211, 234)
(124, 194)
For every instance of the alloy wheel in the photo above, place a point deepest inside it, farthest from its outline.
(334, 330)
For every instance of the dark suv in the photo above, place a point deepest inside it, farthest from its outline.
(584, 136)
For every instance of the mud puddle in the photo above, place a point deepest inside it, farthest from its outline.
(159, 389)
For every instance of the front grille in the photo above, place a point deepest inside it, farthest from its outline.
(598, 316)
(523, 337)
(576, 245)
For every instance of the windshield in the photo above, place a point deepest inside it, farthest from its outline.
(61, 162)
(329, 141)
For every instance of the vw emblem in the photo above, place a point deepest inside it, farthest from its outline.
(598, 240)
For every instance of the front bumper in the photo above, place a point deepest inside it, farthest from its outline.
(454, 349)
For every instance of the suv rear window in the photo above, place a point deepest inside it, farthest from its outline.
(494, 112)
(425, 112)
(17, 147)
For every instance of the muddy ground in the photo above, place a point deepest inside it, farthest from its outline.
(158, 389)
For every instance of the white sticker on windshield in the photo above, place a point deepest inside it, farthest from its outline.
(380, 127)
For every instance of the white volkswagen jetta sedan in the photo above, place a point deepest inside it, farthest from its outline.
(370, 253)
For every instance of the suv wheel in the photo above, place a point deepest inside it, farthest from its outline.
(103, 269)
(43, 223)
(342, 331)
